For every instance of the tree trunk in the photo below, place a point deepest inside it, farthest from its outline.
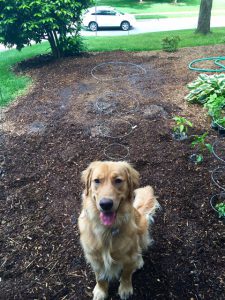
(59, 49)
(52, 43)
(204, 17)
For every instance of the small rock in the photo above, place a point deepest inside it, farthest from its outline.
(73, 219)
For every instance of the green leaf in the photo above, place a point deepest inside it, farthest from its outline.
(199, 158)
(209, 147)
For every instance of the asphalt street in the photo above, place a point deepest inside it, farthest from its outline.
(154, 25)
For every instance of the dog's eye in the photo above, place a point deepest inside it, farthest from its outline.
(97, 181)
(118, 181)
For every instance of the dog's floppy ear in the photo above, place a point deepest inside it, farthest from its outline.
(86, 178)
(132, 177)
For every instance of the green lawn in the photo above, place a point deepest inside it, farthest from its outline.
(175, 15)
(154, 7)
(155, 16)
(13, 85)
(152, 41)
(10, 84)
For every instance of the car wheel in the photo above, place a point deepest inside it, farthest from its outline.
(125, 25)
(93, 26)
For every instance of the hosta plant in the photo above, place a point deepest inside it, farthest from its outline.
(204, 86)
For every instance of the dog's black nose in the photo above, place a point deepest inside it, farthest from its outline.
(106, 204)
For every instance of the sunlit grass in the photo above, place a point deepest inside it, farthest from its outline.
(12, 85)
(148, 6)
(152, 41)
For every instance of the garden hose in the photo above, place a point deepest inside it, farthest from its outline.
(217, 61)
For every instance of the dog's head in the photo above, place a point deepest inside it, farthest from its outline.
(109, 185)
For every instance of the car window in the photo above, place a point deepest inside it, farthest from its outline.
(100, 13)
(105, 13)
(111, 13)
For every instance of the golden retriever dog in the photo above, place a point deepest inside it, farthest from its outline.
(114, 224)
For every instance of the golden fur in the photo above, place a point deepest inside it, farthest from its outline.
(115, 250)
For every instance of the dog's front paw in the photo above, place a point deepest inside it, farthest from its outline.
(125, 291)
(99, 294)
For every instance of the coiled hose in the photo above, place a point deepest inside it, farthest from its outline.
(217, 61)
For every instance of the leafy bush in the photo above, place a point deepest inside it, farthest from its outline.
(204, 86)
(73, 45)
(170, 43)
(25, 21)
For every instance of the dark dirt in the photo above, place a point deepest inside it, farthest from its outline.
(52, 134)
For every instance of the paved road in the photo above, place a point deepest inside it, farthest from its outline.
(154, 25)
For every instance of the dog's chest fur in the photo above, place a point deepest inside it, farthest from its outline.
(109, 264)
(111, 268)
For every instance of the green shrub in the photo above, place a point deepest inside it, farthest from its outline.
(170, 43)
(73, 45)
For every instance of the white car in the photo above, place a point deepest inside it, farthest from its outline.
(107, 16)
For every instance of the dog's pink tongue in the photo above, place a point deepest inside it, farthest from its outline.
(107, 218)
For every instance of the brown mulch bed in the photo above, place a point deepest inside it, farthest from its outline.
(52, 134)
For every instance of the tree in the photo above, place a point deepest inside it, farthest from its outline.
(58, 21)
(204, 17)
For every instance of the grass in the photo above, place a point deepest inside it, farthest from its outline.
(154, 7)
(13, 85)
(134, 7)
(154, 16)
(141, 17)
(152, 41)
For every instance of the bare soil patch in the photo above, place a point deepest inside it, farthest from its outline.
(52, 134)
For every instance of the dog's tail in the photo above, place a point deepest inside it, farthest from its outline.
(145, 202)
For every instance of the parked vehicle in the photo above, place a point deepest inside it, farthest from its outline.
(107, 16)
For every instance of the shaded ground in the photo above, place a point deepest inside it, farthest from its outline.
(66, 121)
